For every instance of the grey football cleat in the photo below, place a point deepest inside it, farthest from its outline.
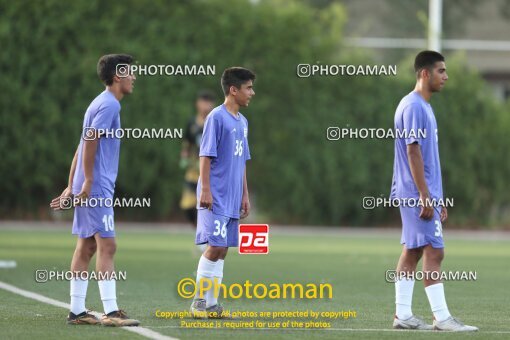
(217, 312)
(453, 325)
(197, 309)
(413, 322)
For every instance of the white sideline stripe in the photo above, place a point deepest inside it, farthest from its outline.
(7, 264)
(351, 330)
(148, 333)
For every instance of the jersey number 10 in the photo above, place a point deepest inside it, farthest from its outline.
(108, 222)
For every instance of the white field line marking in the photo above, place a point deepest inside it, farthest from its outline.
(148, 333)
(7, 264)
(346, 330)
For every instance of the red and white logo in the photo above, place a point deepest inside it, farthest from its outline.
(253, 239)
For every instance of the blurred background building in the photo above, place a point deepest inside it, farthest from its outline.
(480, 28)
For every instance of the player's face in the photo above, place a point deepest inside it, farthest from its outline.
(127, 83)
(244, 94)
(438, 76)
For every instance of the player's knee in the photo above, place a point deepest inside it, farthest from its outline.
(224, 253)
(413, 254)
(435, 255)
(108, 249)
(91, 249)
(214, 253)
(111, 249)
(86, 251)
(419, 255)
(439, 256)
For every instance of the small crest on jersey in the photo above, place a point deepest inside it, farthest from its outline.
(245, 132)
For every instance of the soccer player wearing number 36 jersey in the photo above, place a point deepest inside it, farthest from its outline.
(417, 175)
(93, 175)
(222, 191)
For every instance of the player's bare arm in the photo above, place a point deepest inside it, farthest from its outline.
(206, 199)
(89, 155)
(245, 203)
(444, 214)
(418, 172)
(55, 203)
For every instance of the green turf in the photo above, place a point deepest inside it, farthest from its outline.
(156, 260)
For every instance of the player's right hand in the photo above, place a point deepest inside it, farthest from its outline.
(206, 200)
(55, 203)
(427, 210)
(85, 189)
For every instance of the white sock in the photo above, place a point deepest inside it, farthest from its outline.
(205, 270)
(437, 301)
(78, 294)
(108, 294)
(404, 298)
(211, 297)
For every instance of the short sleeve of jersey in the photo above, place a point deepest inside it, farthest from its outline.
(105, 116)
(210, 137)
(414, 120)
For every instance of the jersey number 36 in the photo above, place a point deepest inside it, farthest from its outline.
(220, 229)
(239, 148)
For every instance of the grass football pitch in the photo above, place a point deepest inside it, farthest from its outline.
(155, 260)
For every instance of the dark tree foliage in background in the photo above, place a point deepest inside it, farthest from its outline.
(48, 66)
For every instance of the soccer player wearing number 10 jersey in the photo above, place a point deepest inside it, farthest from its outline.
(93, 175)
(222, 191)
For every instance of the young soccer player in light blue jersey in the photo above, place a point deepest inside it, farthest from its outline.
(417, 175)
(222, 191)
(93, 175)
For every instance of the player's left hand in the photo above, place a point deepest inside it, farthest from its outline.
(444, 214)
(55, 203)
(245, 207)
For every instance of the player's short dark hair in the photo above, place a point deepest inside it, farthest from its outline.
(206, 95)
(235, 76)
(107, 66)
(426, 59)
